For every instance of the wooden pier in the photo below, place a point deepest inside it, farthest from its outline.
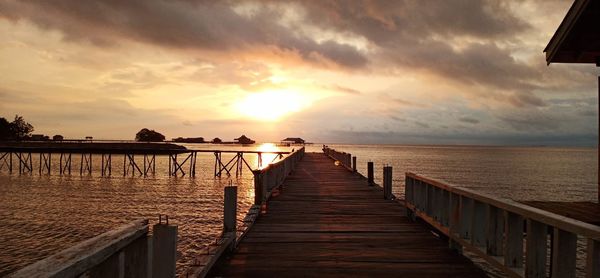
(19, 157)
(327, 221)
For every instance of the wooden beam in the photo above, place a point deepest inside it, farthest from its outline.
(76, 260)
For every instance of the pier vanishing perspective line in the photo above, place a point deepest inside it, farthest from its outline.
(326, 221)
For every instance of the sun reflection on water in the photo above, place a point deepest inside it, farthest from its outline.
(267, 157)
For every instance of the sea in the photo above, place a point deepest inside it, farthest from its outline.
(41, 215)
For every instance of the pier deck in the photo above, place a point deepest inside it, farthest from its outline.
(326, 221)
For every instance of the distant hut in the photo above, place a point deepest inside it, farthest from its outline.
(39, 137)
(189, 140)
(293, 140)
(244, 140)
(57, 137)
(217, 140)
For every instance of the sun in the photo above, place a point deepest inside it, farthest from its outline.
(271, 105)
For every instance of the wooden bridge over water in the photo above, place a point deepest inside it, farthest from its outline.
(326, 221)
(139, 158)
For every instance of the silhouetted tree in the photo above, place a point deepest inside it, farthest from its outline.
(18, 129)
(5, 132)
(147, 135)
(217, 140)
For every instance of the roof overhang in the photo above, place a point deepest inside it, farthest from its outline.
(577, 39)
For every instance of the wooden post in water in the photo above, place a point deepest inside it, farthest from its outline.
(354, 163)
(258, 187)
(164, 250)
(387, 182)
(230, 213)
(370, 176)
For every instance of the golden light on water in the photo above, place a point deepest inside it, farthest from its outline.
(271, 105)
(267, 157)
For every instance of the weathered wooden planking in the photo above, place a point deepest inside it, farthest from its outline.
(327, 222)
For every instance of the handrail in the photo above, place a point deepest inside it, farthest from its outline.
(344, 158)
(494, 229)
(121, 251)
(272, 176)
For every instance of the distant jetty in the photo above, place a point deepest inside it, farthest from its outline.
(92, 147)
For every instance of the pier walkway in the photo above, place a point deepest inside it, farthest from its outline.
(327, 221)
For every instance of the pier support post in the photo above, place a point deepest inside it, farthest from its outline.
(387, 182)
(354, 164)
(229, 214)
(370, 176)
(164, 250)
(258, 187)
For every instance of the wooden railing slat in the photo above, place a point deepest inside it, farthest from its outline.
(536, 250)
(564, 254)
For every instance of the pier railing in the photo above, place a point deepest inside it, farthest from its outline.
(271, 176)
(345, 159)
(497, 230)
(128, 251)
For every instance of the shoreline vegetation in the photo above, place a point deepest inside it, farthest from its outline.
(19, 134)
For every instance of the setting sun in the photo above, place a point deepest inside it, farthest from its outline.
(271, 105)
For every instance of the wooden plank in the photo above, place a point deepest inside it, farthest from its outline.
(564, 254)
(326, 222)
(592, 269)
(513, 252)
(495, 232)
(536, 250)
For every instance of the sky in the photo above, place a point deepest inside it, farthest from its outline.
(383, 72)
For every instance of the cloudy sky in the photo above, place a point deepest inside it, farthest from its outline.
(428, 72)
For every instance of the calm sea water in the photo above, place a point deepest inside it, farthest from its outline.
(41, 215)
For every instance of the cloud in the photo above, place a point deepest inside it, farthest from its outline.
(344, 90)
(531, 121)
(526, 99)
(421, 124)
(184, 25)
(468, 120)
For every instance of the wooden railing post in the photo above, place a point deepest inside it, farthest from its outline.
(370, 176)
(513, 250)
(230, 213)
(495, 231)
(592, 268)
(466, 217)
(535, 261)
(454, 223)
(387, 182)
(564, 251)
(164, 250)
(478, 224)
(258, 187)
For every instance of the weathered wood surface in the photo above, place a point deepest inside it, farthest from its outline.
(327, 221)
(588, 212)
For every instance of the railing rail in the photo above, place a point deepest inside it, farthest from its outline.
(127, 251)
(499, 230)
(271, 176)
(344, 158)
